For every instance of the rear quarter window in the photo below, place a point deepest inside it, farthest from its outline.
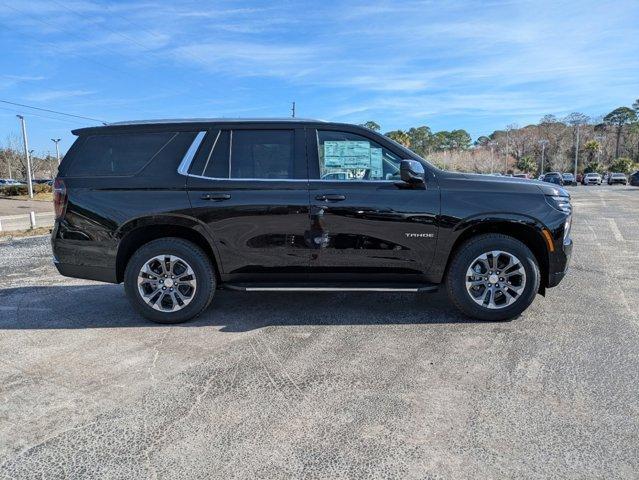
(121, 154)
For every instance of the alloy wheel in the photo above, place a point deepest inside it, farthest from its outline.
(167, 283)
(495, 279)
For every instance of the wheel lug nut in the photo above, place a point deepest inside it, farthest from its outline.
(163, 288)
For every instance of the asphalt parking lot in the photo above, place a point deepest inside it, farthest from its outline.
(353, 385)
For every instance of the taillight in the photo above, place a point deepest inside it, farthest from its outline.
(59, 197)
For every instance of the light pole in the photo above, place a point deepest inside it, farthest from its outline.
(577, 151)
(543, 144)
(57, 150)
(577, 119)
(599, 139)
(26, 154)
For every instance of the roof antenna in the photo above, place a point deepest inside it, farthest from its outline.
(293, 110)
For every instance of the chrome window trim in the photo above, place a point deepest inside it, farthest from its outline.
(230, 153)
(185, 164)
(208, 158)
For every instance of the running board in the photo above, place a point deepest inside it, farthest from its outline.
(324, 287)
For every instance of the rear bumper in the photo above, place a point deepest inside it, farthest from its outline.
(79, 258)
(89, 273)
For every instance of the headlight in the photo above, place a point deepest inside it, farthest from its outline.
(567, 226)
(560, 203)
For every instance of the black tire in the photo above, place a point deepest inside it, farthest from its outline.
(467, 253)
(189, 252)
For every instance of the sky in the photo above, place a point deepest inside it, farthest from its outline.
(447, 64)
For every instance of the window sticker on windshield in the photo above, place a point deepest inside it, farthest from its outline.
(347, 154)
(377, 167)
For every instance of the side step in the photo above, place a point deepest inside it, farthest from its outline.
(332, 287)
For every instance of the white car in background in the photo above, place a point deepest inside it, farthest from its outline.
(591, 179)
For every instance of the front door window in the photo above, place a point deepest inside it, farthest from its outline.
(351, 157)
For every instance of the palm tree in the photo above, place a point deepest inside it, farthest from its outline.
(618, 118)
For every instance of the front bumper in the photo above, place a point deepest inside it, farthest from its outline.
(559, 264)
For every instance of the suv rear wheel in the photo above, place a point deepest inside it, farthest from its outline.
(169, 280)
(493, 277)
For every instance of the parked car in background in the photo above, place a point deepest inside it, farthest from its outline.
(592, 178)
(617, 178)
(568, 178)
(521, 175)
(335, 176)
(634, 179)
(541, 177)
(554, 177)
(9, 181)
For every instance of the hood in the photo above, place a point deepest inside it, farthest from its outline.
(502, 184)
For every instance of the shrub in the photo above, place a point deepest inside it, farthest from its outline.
(594, 167)
(622, 165)
(15, 190)
(42, 188)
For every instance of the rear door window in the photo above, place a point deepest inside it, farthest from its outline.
(212, 159)
(262, 154)
(118, 154)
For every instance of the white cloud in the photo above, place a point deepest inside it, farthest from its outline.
(49, 95)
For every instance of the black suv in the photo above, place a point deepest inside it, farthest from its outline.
(177, 209)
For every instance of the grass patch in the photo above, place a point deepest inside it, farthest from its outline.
(32, 232)
(41, 196)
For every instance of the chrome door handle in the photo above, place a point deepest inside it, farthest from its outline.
(215, 196)
(330, 198)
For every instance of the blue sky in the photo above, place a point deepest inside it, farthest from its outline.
(457, 64)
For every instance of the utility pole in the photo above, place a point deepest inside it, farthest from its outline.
(26, 154)
(32, 165)
(577, 151)
(57, 150)
(293, 110)
(543, 144)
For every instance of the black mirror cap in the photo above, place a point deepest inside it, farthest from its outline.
(411, 171)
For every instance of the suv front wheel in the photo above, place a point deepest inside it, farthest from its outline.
(169, 280)
(493, 277)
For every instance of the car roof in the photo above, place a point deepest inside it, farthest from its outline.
(198, 122)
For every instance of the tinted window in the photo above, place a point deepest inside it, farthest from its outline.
(118, 154)
(347, 156)
(262, 154)
(212, 159)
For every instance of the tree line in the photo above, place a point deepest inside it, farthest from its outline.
(606, 143)
(13, 163)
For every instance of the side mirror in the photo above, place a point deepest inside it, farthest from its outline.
(412, 172)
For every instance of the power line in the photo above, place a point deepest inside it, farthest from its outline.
(31, 114)
(54, 111)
